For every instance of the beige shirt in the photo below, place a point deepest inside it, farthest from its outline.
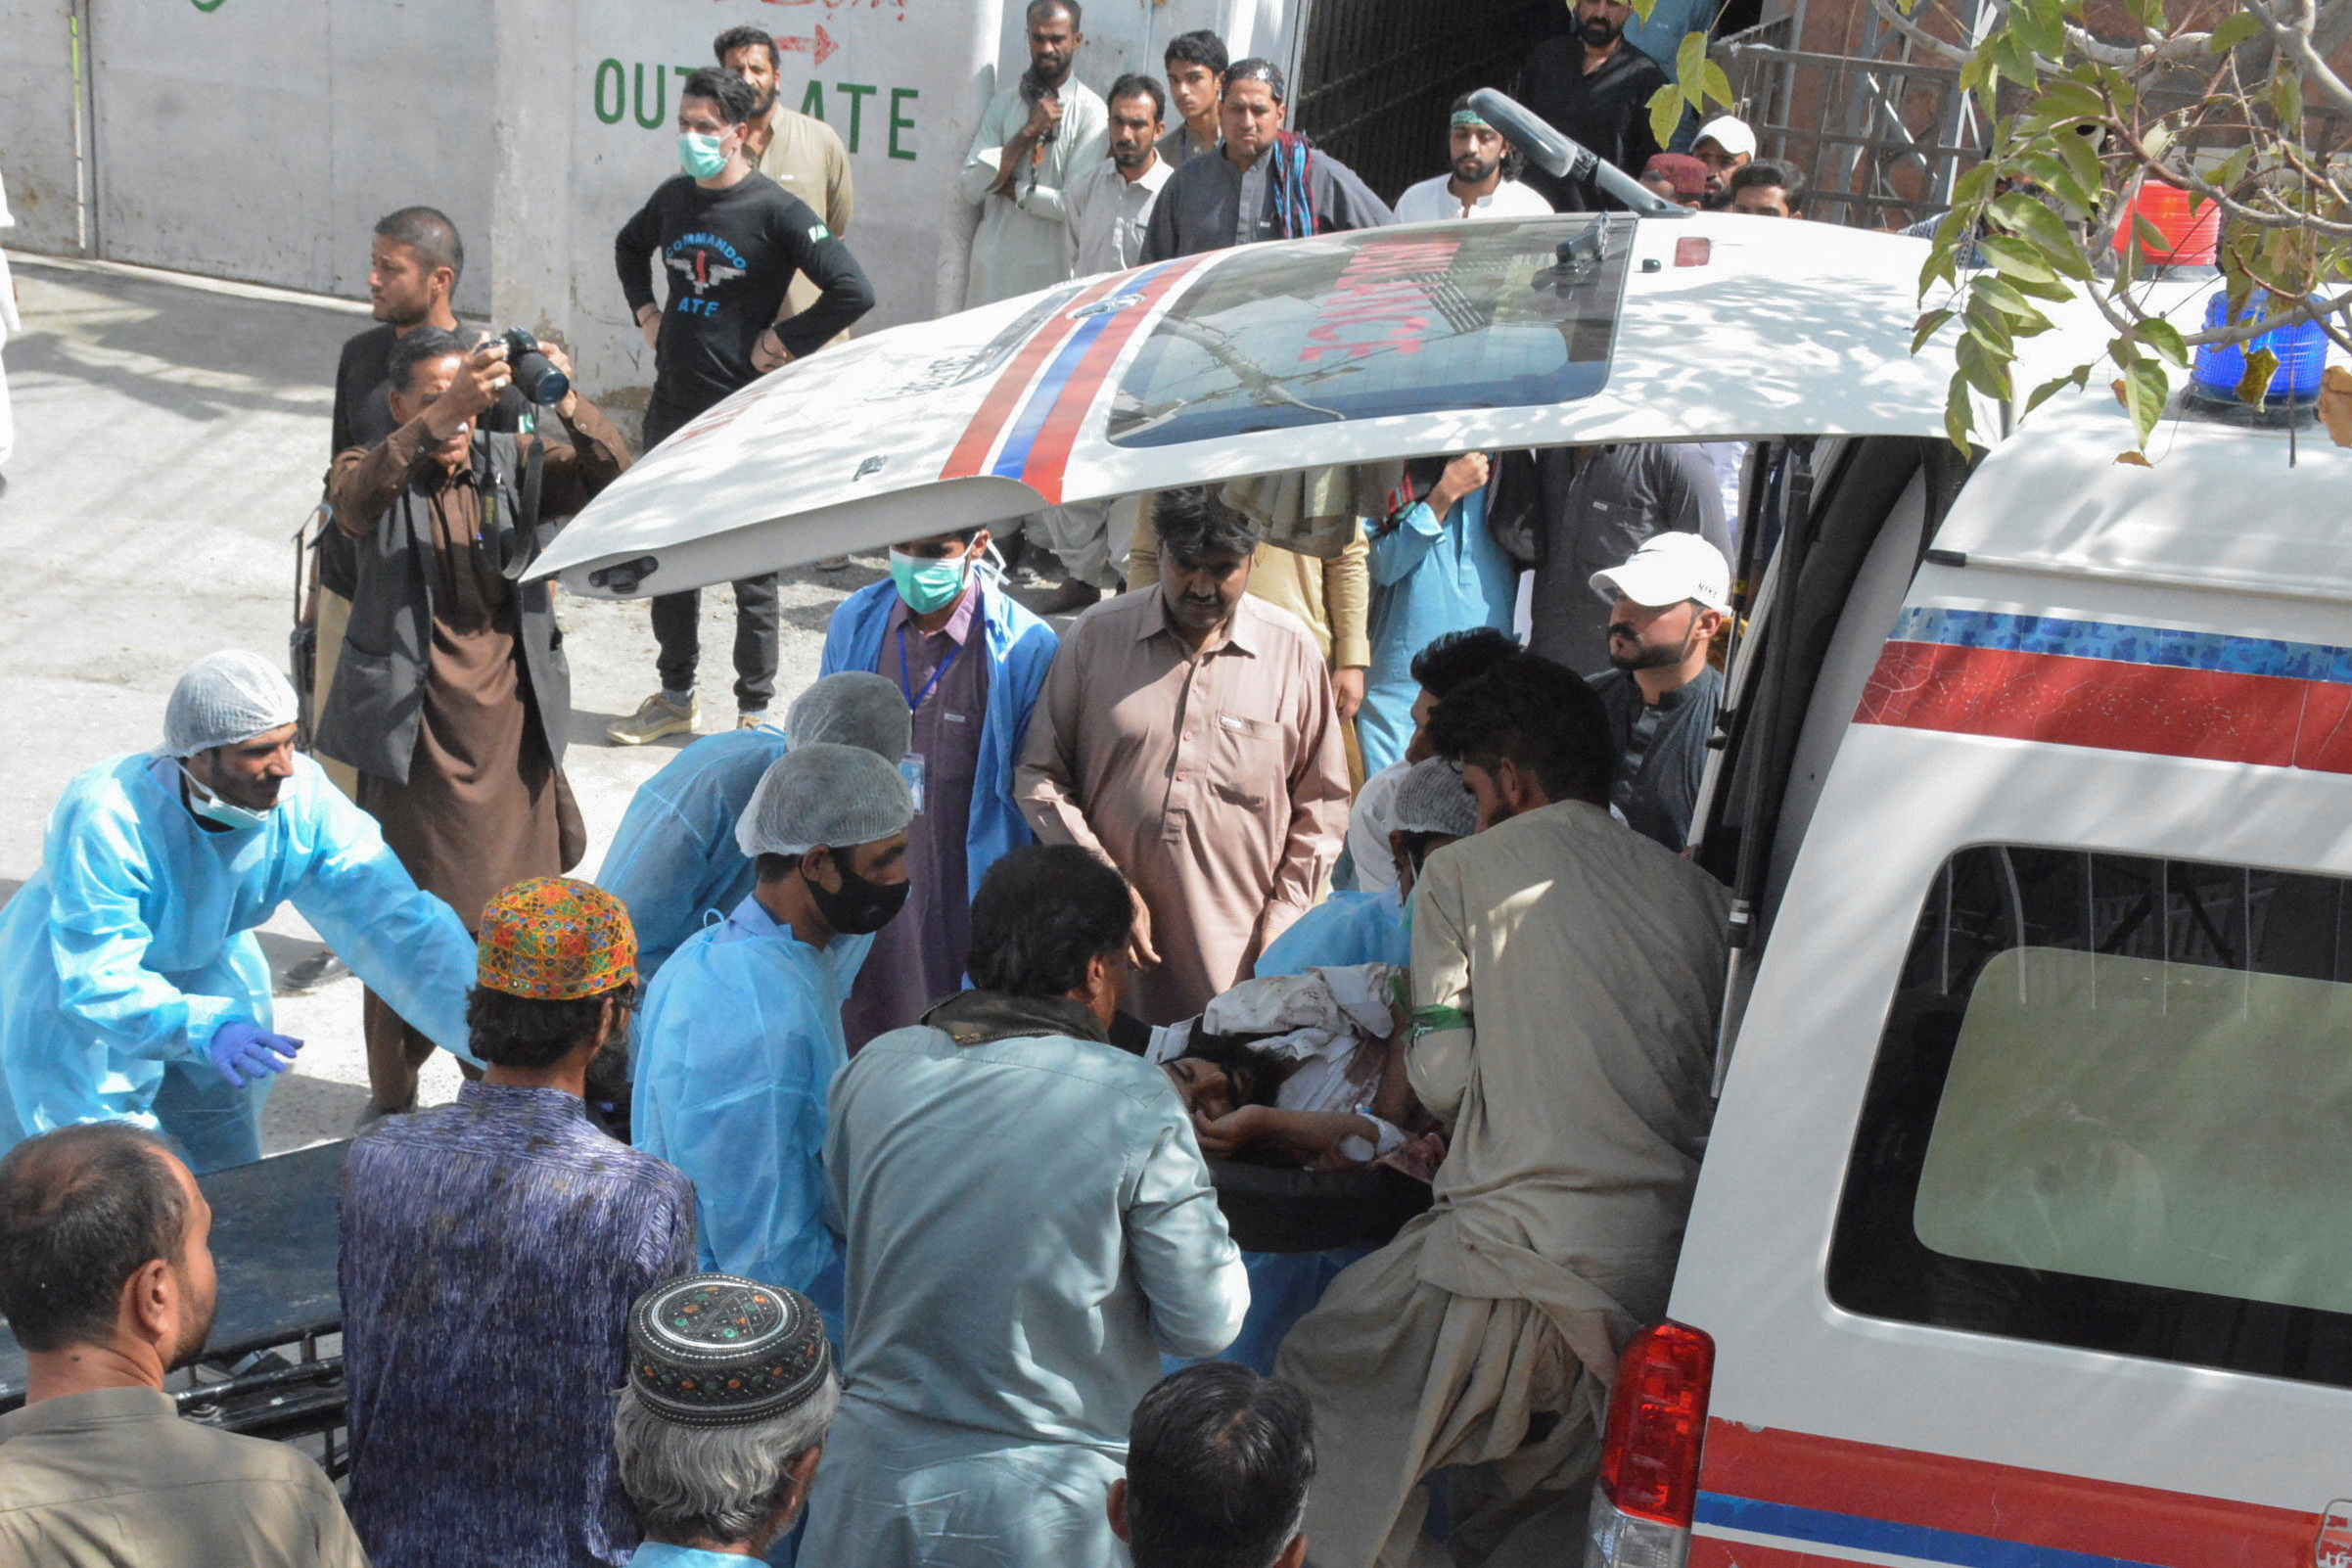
(1587, 965)
(1108, 213)
(1215, 781)
(805, 157)
(115, 1479)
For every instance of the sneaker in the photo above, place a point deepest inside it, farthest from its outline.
(655, 718)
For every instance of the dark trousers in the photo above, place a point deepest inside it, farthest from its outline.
(677, 617)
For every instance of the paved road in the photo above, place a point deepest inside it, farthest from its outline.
(170, 438)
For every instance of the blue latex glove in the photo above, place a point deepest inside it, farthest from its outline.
(243, 1053)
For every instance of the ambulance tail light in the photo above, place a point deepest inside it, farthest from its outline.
(1649, 1458)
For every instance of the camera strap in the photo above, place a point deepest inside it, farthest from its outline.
(527, 522)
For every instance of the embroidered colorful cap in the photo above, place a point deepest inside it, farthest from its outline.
(553, 938)
(712, 1350)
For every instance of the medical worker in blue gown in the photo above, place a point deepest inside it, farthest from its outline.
(742, 1031)
(131, 985)
(674, 861)
(1436, 569)
(1432, 808)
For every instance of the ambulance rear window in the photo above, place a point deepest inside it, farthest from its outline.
(2112, 1109)
(1374, 324)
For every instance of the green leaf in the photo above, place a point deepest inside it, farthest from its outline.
(2080, 155)
(1974, 186)
(2024, 321)
(1927, 327)
(1690, 57)
(1941, 266)
(1985, 325)
(2053, 289)
(2145, 387)
(2235, 30)
(2164, 338)
(2063, 101)
(2155, 139)
(2287, 101)
(2233, 170)
(2040, 27)
(2255, 385)
(2022, 215)
(1716, 85)
(1959, 418)
(2148, 235)
(2078, 377)
(1981, 366)
(2014, 258)
(2014, 58)
(1665, 113)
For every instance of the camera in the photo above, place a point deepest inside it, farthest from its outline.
(539, 380)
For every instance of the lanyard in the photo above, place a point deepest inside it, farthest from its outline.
(914, 703)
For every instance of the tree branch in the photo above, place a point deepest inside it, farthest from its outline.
(2295, 42)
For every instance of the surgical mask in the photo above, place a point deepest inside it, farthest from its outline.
(221, 813)
(926, 584)
(702, 157)
(860, 907)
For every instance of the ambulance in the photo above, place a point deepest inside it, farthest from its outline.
(2025, 1234)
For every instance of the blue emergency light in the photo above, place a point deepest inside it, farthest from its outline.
(2302, 351)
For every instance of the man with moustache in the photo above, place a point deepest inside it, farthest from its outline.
(453, 697)
(1265, 183)
(1110, 204)
(107, 1280)
(1187, 735)
(1485, 182)
(1668, 602)
(1037, 137)
(1595, 88)
(798, 151)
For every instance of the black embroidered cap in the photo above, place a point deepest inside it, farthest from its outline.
(712, 1350)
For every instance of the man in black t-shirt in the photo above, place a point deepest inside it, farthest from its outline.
(730, 241)
(1668, 603)
(1594, 87)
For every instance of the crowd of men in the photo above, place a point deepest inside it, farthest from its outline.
(855, 1123)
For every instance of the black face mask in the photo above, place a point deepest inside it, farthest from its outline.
(860, 907)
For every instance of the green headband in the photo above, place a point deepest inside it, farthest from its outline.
(1470, 116)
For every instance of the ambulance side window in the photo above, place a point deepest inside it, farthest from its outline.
(2112, 1109)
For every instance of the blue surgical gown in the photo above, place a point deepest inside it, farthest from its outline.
(1346, 928)
(736, 1051)
(134, 943)
(1428, 579)
(674, 859)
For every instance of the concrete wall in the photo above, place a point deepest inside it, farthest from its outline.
(37, 123)
(260, 139)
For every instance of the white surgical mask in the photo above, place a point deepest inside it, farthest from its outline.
(212, 809)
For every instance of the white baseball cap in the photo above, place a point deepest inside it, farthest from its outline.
(1729, 134)
(1667, 570)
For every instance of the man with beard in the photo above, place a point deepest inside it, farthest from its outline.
(798, 151)
(1598, 504)
(1669, 601)
(1265, 183)
(1036, 138)
(1567, 976)
(1110, 204)
(1595, 88)
(490, 1251)
(1484, 184)
(106, 1279)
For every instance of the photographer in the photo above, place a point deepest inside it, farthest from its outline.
(731, 241)
(453, 696)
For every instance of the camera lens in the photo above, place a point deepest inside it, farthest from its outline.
(539, 380)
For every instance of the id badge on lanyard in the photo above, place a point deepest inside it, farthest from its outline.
(910, 768)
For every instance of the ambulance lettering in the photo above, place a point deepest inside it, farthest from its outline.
(2334, 1547)
(1376, 302)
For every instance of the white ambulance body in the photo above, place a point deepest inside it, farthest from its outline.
(2024, 1233)
(2024, 1237)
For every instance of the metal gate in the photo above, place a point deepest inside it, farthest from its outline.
(1376, 77)
(262, 139)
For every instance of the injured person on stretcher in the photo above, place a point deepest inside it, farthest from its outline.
(1302, 1071)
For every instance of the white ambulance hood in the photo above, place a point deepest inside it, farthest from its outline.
(1386, 343)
